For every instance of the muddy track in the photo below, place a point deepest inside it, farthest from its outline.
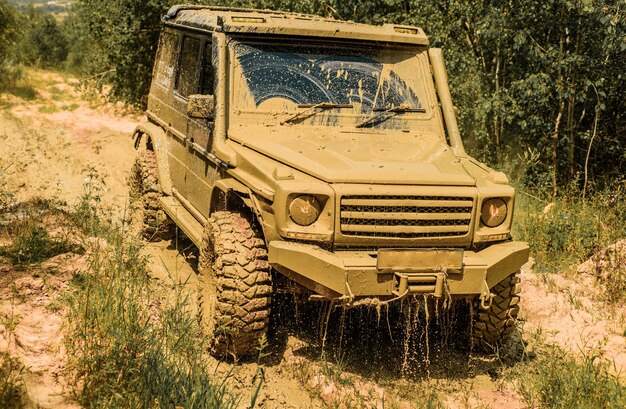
(369, 357)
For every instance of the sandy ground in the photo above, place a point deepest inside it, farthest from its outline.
(566, 310)
(48, 148)
(51, 155)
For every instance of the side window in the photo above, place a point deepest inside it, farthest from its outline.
(187, 78)
(166, 58)
(208, 74)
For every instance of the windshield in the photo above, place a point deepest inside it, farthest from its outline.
(288, 77)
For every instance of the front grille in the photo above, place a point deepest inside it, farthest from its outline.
(406, 216)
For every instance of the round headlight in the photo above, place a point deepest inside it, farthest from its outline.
(304, 210)
(493, 212)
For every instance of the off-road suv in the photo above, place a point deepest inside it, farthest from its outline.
(326, 152)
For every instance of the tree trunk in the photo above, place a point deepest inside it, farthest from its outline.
(496, 116)
(555, 135)
(571, 105)
(570, 136)
(555, 147)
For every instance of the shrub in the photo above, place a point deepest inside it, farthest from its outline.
(43, 43)
(571, 228)
(9, 31)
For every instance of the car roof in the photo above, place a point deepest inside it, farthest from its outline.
(269, 22)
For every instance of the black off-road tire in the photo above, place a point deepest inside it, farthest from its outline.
(235, 285)
(494, 326)
(146, 212)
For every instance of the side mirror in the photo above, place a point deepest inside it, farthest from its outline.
(201, 106)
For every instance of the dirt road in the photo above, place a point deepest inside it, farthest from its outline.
(52, 145)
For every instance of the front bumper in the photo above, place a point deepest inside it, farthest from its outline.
(357, 274)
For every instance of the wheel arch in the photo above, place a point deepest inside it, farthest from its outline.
(231, 194)
(156, 140)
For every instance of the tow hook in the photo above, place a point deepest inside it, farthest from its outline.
(485, 296)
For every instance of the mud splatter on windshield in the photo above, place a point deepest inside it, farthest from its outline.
(313, 75)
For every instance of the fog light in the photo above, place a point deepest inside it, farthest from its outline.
(493, 212)
(304, 210)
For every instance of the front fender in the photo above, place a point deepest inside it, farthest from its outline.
(223, 190)
(158, 139)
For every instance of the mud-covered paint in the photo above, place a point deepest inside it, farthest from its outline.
(314, 75)
(348, 114)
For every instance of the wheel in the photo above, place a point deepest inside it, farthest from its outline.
(494, 326)
(235, 285)
(146, 213)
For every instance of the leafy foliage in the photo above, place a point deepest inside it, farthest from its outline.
(544, 76)
(122, 37)
(571, 229)
(43, 43)
(9, 31)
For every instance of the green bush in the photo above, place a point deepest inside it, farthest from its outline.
(571, 228)
(9, 31)
(43, 43)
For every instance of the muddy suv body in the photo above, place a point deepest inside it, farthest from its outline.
(326, 152)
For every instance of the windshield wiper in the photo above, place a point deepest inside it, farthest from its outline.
(386, 114)
(312, 110)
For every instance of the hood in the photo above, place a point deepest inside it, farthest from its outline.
(358, 156)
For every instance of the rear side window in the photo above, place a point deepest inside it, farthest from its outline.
(208, 73)
(188, 70)
(166, 59)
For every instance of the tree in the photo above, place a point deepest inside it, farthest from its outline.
(43, 43)
(120, 43)
(8, 36)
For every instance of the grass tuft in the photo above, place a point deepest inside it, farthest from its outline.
(558, 380)
(11, 387)
(571, 229)
(33, 244)
(129, 343)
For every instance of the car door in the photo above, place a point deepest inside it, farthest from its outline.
(202, 172)
(186, 80)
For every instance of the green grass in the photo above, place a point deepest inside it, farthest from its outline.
(573, 229)
(555, 379)
(70, 107)
(14, 81)
(32, 243)
(11, 370)
(122, 352)
(128, 344)
(11, 387)
(48, 109)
